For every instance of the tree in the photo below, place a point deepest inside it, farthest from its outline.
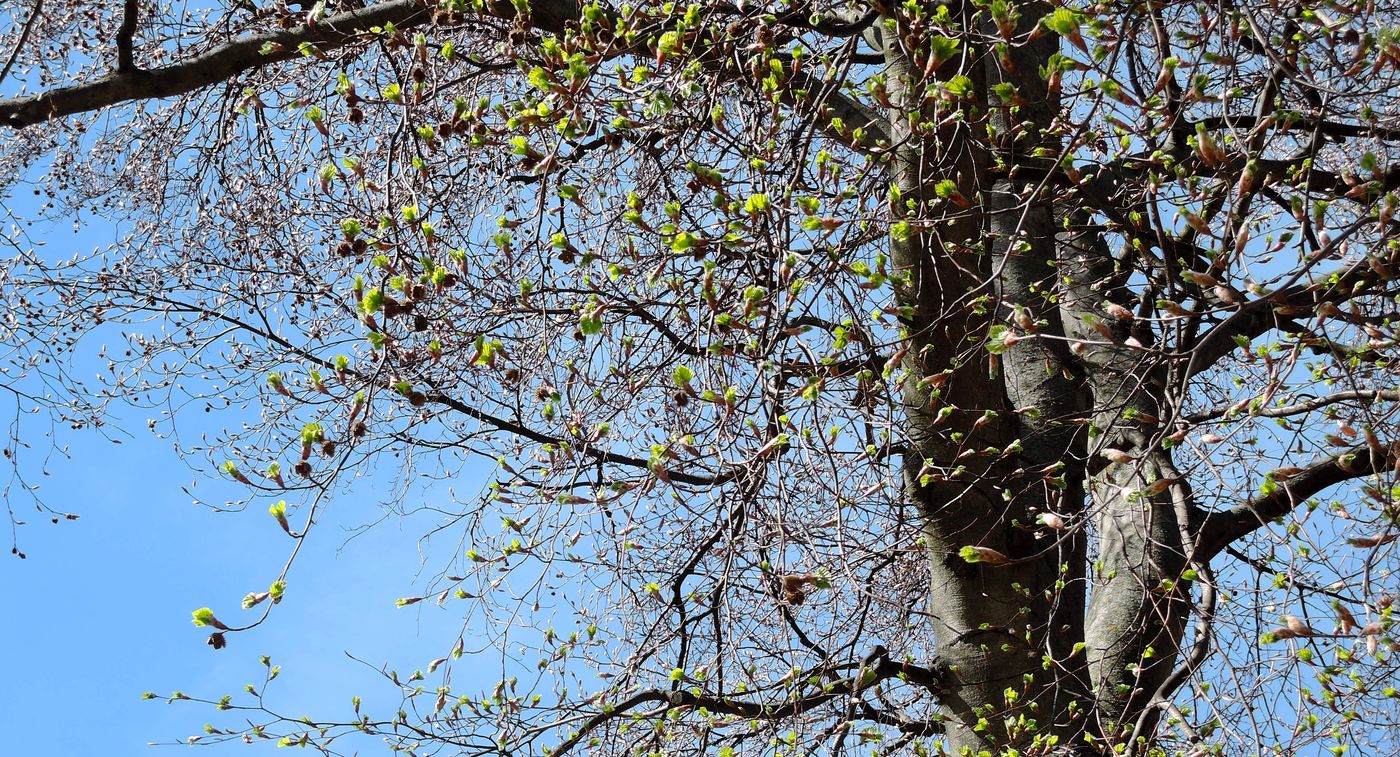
(999, 378)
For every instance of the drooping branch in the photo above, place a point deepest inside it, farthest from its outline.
(1224, 528)
(437, 397)
(502, 424)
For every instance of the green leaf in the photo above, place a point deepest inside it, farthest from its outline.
(959, 86)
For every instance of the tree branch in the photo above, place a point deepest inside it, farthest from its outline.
(23, 38)
(216, 65)
(1367, 396)
(229, 60)
(437, 397)
(866, 676)
(126, 60)
(1224, 528)
(1201, 649)
(1258, 317)
(834, 21)
(1305, 123)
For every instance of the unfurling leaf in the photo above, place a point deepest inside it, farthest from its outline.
(974, 554)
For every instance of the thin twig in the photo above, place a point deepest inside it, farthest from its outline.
(23, 37)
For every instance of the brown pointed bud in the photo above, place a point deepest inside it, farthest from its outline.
(1024, 320)
(1227, 295)
(1371, 542)
(1346, 622)
(1117, 456)
(1118, 311)
(1052, 520)
(1373, 628)
(1297, 626)
(1159, 486)
(1200, 279)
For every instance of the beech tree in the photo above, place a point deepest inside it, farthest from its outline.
(996, 377)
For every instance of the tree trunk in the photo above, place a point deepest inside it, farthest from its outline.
(993, 420)
(1140, 602)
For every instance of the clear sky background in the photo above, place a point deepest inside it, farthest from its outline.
(99, 612)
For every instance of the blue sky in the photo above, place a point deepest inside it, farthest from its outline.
(99, 612)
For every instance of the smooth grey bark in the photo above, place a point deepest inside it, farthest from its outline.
(1140, 604)
(1043, 384)
(1005, 634)
(1005, 629)
(974, 610)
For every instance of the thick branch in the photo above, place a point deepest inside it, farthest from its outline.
(229, 60)
(126, 60)
(216, 65)
(1223, 528)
